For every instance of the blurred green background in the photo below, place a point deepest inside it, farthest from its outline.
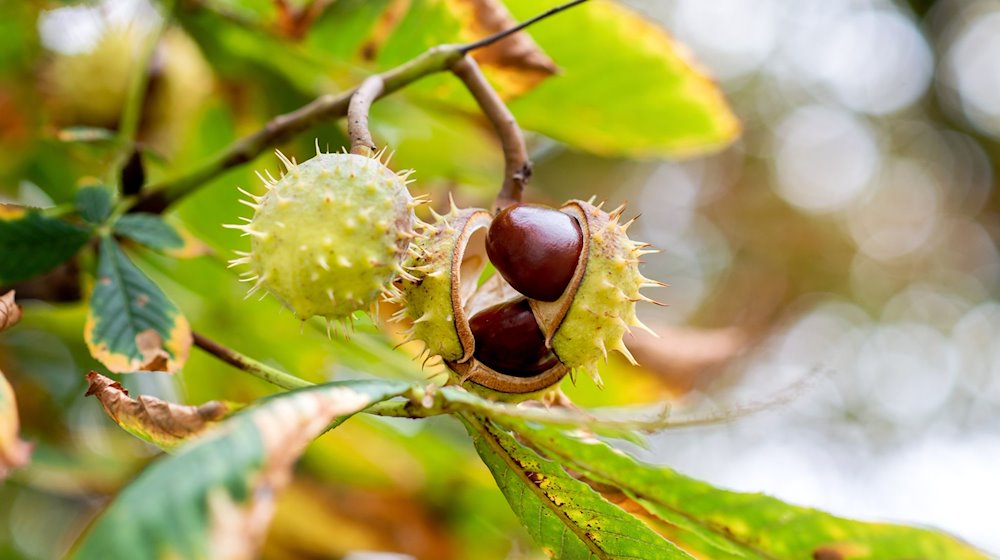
(848, 238)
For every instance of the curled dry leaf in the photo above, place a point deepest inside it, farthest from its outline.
(515, 64)
(10, 311)
(516, 61)
(161, 423)
(14, 452)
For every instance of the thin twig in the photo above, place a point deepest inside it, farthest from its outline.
(357, 116)
(487, 41)
(517, 167)
(253, 367)
(157, 197)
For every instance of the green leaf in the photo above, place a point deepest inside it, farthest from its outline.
(149, 230)
(219, 490)
(93, 203)
(712, 523)
(564, 516)
(163, 424)
(657, 103)
(33, 243)
(131, 324)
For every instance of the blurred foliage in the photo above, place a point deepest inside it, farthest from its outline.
(220, 69)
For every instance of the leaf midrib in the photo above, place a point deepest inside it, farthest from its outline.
(707, 525)
(115, 254)
(500, 451)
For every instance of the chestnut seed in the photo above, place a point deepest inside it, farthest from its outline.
(535, 249)
(509, 341)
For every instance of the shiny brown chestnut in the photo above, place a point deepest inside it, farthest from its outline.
(509, 341)
(535, 248)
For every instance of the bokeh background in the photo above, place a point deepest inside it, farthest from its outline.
(835, 270)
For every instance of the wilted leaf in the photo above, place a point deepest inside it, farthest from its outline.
(33, 243)
(14, 453)
(149, 230)
(93, 203)
(214, 498)
(564, 516)
(131, 324)
(164, 424)
(712, 523)
(10, 311)
(624, 88)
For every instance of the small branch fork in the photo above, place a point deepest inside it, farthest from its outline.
(158, 197)
(357, 116)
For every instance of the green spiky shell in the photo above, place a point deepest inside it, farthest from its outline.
(602, 308)
(330, 234)
(428, 295)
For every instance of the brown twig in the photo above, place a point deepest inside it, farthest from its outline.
(156, 198)
(357, 115)
(517, 167)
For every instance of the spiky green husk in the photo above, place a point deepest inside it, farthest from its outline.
(603, 308)
(427, 296)
(330, 234)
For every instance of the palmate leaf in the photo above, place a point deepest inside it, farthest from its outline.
(131, 324)
(32, 243)
(564, 516)
(711, 523)
(214, 497)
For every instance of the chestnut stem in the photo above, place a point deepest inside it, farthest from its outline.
(517, 166)
(357, 115)
(253, 367)
(158, 197)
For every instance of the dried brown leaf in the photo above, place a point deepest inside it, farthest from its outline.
(516, 63)
(10, 311)
(164, 424)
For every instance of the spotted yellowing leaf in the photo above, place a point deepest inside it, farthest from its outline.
(564, 516)
(711, 523)
(215, 496)
(131, 324)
